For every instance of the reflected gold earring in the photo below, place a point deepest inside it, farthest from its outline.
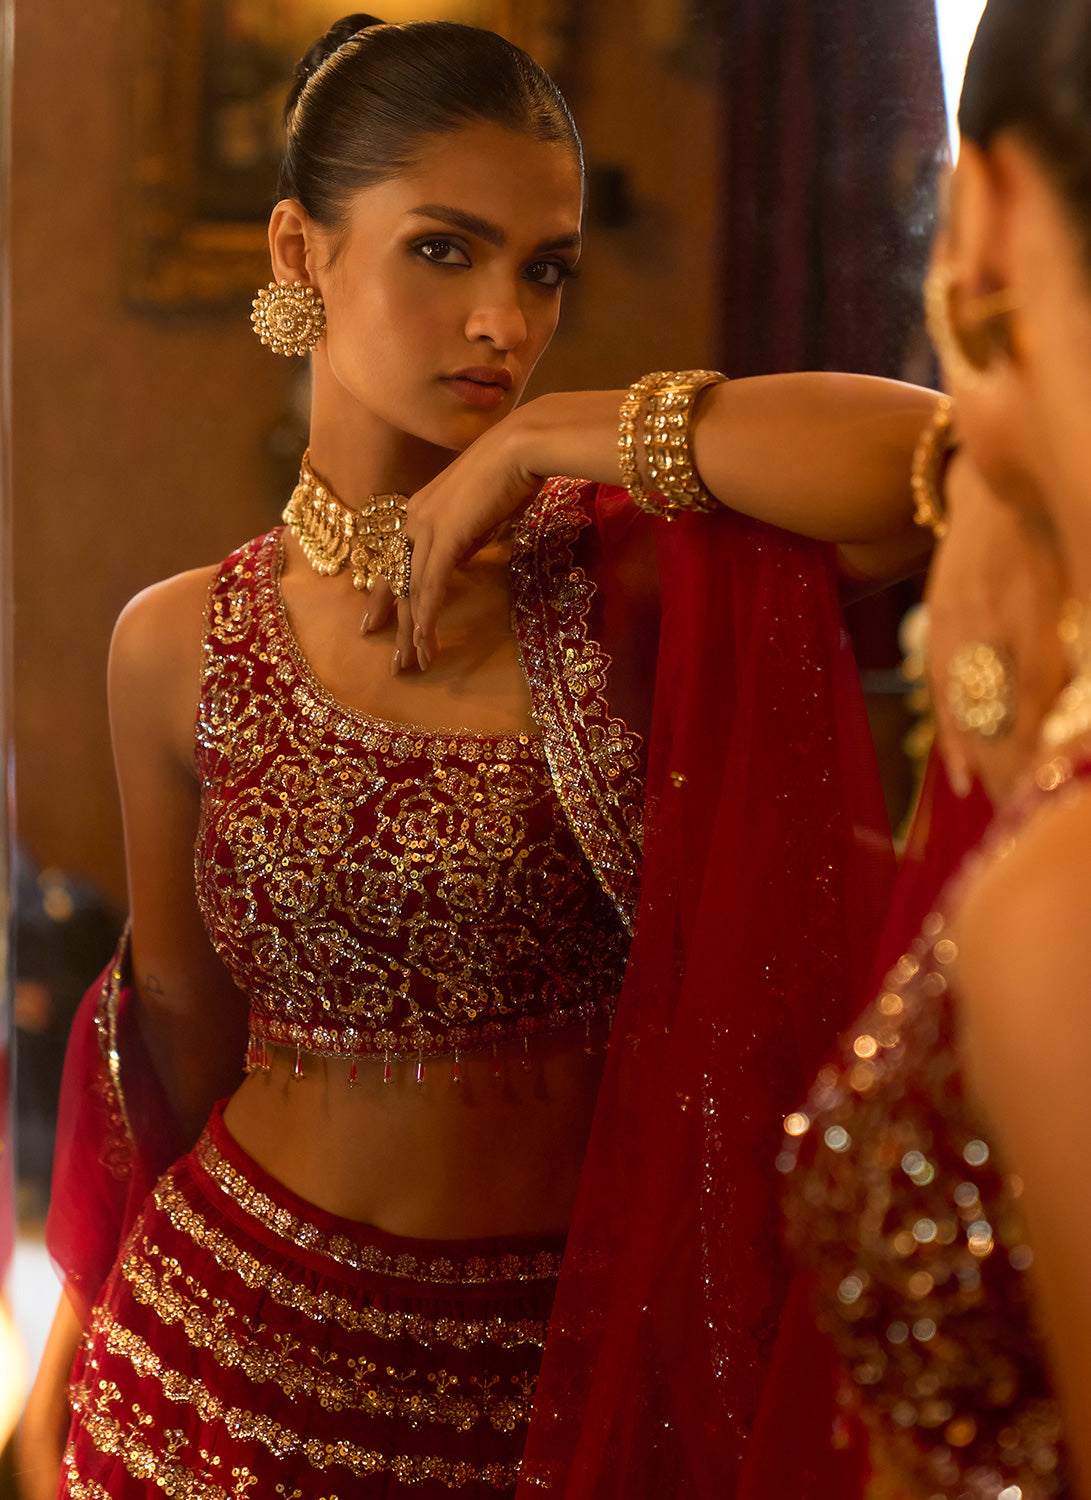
(948, 340)
(289, 317)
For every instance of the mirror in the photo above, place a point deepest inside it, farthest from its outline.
(152, 433)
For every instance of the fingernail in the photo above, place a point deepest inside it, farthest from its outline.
(364, 623)
(960, 781)
(396, 664)
(418, 635)
(424, 661)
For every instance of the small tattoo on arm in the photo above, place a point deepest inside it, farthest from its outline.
(151, 986)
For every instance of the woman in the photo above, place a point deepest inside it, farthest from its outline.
(422, 881)
(942, 1194)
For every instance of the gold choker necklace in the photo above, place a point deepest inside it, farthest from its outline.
(370, 540)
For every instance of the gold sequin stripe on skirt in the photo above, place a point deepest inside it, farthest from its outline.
(249, 1344)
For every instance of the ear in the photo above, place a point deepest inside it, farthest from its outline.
(290, 241)
(977, 239)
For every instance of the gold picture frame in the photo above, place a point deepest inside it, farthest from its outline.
(207, 83)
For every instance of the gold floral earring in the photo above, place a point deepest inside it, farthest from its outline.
(289, 317)
(948, 340)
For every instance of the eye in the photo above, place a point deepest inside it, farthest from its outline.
(549, 273)
(441, 252)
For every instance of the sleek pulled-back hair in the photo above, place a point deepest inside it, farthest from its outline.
(367, 96)
(1029, 71)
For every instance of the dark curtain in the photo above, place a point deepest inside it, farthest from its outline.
(834, 137)
(834, 133)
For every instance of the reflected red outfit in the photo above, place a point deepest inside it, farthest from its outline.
(903, 1210)
(763, 869)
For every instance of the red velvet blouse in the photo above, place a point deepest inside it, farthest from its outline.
(376, 887)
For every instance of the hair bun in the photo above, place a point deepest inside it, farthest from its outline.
(321, 51)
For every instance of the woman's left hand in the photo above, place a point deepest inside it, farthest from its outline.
(496, 477)
(447, 522)
(451, 519)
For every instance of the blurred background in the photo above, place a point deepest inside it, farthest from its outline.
(763, 185)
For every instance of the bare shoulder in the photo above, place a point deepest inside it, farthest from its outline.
(167, 616)
(155, 657)
(1024, 939)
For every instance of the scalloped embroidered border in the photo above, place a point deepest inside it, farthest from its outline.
(594, 758)
(458, 1268)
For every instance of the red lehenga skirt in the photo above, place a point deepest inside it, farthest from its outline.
(248, 1345)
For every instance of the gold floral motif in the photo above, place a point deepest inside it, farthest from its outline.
(595, 759)
(381, 888)
(114, 1438)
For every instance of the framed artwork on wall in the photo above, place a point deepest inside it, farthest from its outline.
(208, 80)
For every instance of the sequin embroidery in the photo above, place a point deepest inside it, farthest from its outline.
(912, 1228)
(236, 1346)
(375, 887)
(594, 757)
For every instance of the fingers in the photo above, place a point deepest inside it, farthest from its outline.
(379, 609)
(433, 565)
(404, 655)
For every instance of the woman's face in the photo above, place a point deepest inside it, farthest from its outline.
(445, 286)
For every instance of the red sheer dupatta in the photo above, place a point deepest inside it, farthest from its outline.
(765, 879)
(116, 1134)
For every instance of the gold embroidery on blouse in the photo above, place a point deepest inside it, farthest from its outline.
(376, 887)
(130, 1440)
(595, 759)
(171, 1303)
(444, 1270)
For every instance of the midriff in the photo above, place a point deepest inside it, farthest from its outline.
(497, 1152)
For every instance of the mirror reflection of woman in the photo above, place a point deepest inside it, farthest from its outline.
(950, 1232)
(415, 867)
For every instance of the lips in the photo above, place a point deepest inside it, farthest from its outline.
(479, 385)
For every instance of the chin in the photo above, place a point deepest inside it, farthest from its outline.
(460, 431)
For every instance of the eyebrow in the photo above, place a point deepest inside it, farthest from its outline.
(492, 234)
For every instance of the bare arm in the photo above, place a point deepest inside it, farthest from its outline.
(1025, 986)
(43, 1431)
(193, 1017)
(822, 454)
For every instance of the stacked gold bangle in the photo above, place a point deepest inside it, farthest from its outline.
(662, 404)
(631, 411)
(930, 459)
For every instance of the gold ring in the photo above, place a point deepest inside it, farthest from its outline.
(981, 690)
(401, 585)
(393, 560)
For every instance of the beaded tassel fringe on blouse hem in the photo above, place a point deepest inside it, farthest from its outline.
(259, 1058)
(299, 1353)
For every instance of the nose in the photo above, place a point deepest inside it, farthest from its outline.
(498, 318)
